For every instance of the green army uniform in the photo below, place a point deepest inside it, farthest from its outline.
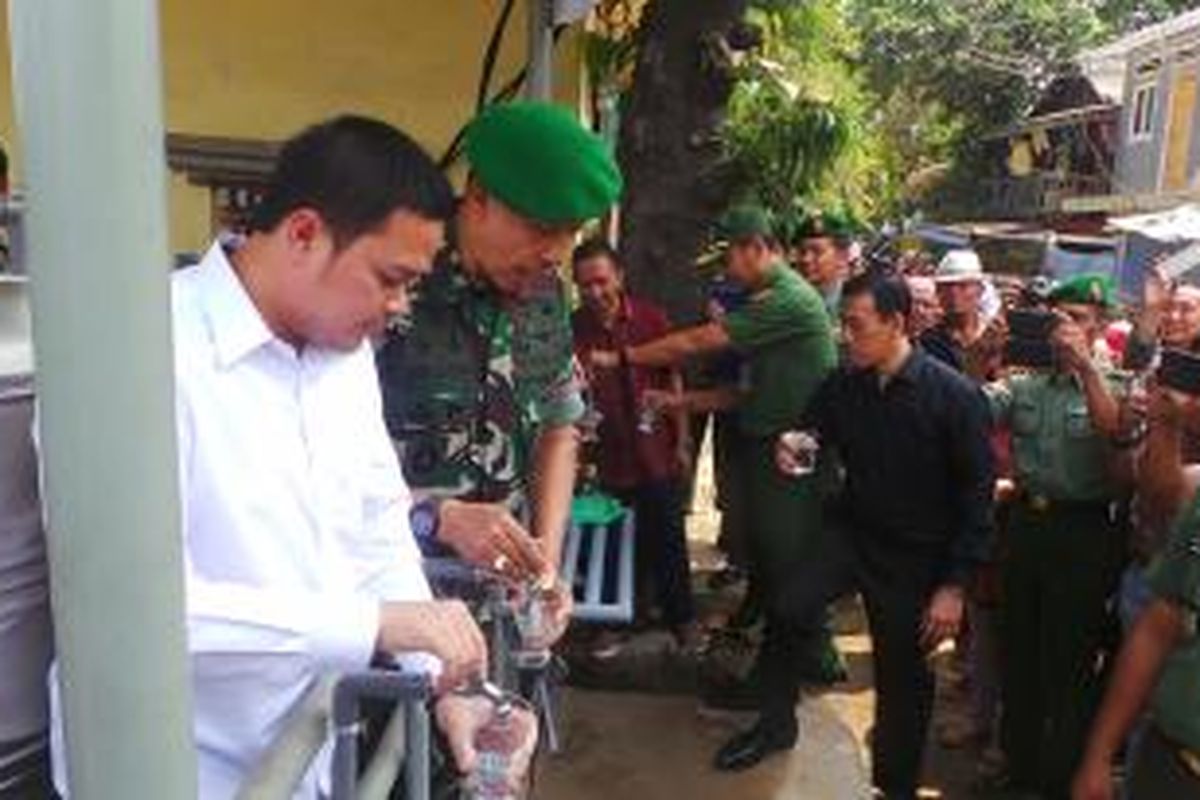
(470, 376)
(1063, 561)
(1168, 762)
(783, 333)
(468, 380)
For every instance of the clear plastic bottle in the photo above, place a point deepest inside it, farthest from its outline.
(534, 624)
(495, 745)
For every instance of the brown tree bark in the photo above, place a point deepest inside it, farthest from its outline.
(669, 147)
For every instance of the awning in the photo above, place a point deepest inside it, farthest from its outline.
(1177, 226)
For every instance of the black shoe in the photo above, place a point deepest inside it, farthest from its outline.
(749, 747)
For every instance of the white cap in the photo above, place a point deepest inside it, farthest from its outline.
(959, 266)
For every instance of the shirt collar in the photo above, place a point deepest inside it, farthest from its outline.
(1062, 377)
(624, 311)
(234, 323)
(912, 365)
(908, 371)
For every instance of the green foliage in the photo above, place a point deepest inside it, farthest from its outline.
(950, 72)
(800, 130)
(609, 44)
(782, 147)
(871, 104)
(983, 61)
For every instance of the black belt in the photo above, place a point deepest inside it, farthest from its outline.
(1044, 504)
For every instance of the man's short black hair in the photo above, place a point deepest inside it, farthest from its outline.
(890, 293)
(593, 248)
(355, 172)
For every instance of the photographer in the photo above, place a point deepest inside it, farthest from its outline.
(1065, 547)
(1158, 662)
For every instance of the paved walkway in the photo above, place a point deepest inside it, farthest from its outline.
(624, 745)
(644, 747)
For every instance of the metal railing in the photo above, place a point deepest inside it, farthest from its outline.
(335, 702)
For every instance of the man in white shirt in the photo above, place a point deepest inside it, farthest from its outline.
(299, 558)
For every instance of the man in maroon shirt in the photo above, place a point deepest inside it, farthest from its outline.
(642, 452)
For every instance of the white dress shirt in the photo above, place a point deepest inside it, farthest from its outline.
(295, 519)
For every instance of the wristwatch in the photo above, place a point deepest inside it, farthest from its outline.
(423, 519)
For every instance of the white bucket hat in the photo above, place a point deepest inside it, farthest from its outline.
(959, 266)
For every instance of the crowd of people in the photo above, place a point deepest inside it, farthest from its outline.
(380, 371)
(1017, 492)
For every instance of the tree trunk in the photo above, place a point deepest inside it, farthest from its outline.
(669, 147)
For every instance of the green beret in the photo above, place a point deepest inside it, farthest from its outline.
(820, 224)
(1091, 288)
(539, 161)
(743, 222)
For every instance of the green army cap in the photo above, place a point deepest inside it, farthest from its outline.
(831, 223)
(743, 222)
(1090, 288)
(539, 161)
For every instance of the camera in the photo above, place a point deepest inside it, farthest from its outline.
(1180, 370)
(1029, 342)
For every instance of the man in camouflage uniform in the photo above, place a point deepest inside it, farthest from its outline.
(478, 381)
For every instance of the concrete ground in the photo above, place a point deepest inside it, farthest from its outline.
(651, 745)
(645, 746)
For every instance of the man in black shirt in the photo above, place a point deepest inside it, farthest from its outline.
(912, 435)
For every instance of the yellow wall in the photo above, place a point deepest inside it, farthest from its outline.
(262, 69)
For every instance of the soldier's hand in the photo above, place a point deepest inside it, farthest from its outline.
(443, 628)
(1071, 343)
(605, 359)
(1093, 781)
(943, 617)
(486, 534)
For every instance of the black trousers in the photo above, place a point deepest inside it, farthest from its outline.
(896, 582)
(1062, 568)
(661, 546)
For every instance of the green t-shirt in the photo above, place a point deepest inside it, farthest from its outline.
(1175, 576)
(1056, 450)
(784, 333)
